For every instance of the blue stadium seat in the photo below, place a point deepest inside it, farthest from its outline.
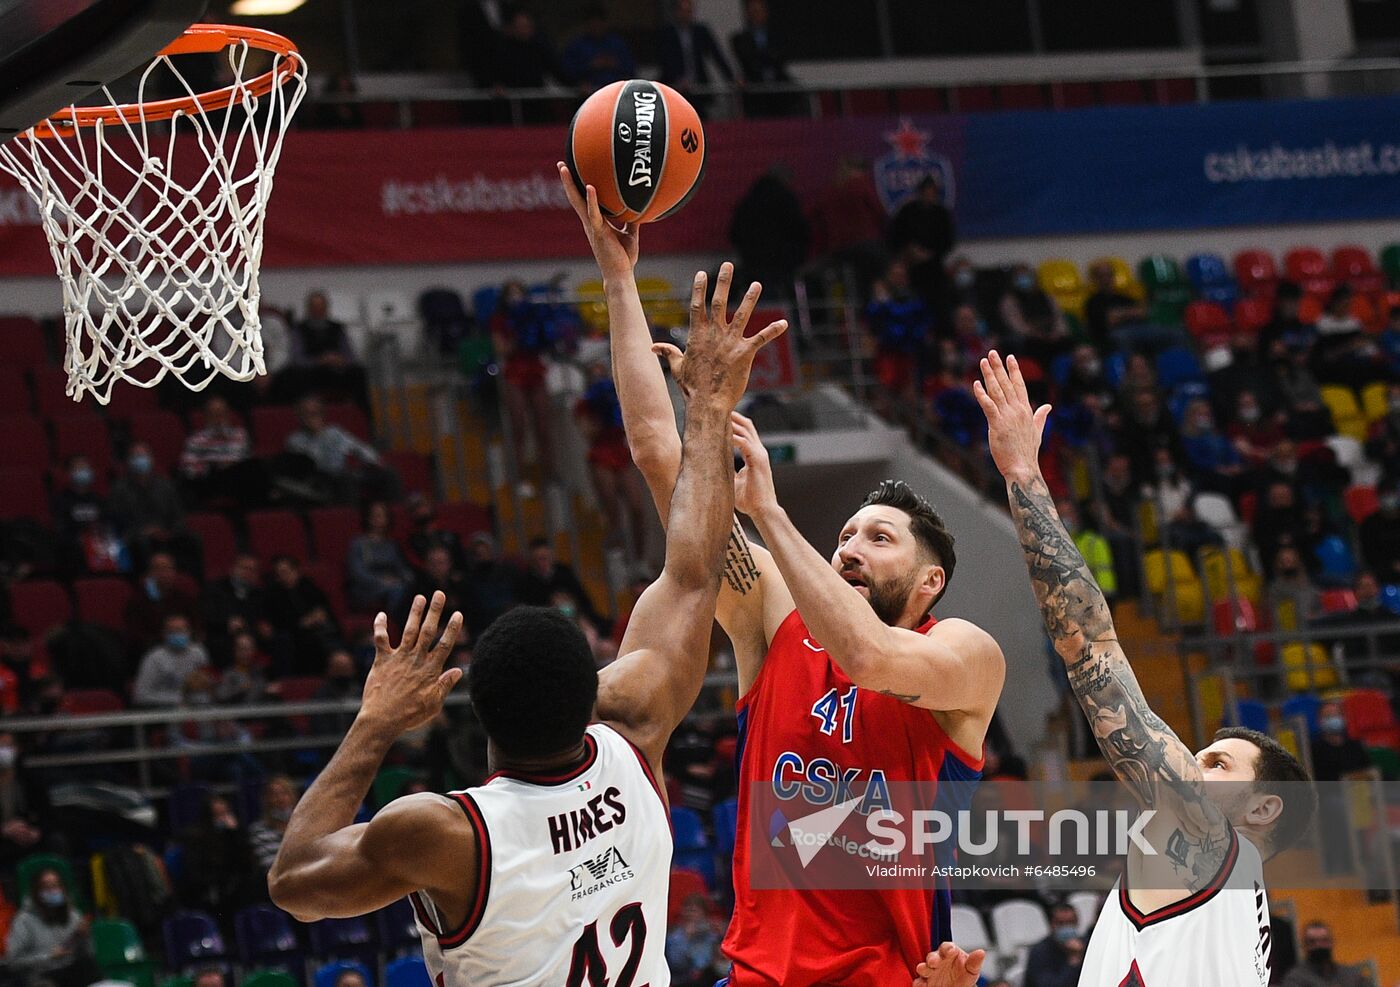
(343, 939)
(1115, 365)
(1305, 705)
(407, 971)
(1060, 368)
(398, 932)
(1183, 396)
(186, 805)
(174, 859)
(1338, 564)
(726, 822)
(265, 939)
(692, 845)
(191, 938)
(1177, 366)
(484, 302)
(326, 975)
(1253, 714)
(1207, 270)
(1390, 598)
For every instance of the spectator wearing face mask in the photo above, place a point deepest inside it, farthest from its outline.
(1086, 383)
(82, 518)
(48, 941)
(279, 798)
(1036, 325)
(1380, 536)
(900, 323)
(167, 667)
(160, 593)
(1056, 959)
(218, 867)
(1092, 545)
(1211, 457)
(342, 682)
(1370, 610)
(1319, 968)
(148, 512)
(692, 946)
(1291, 596)
(1254, 435)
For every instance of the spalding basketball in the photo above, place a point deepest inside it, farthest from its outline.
(640, 144)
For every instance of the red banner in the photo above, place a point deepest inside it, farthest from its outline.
(425, 196)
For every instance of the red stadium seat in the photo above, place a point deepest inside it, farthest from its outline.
(1249, 503)
(1121, 92)
(40, 605)
(50, 393)
(1169, 92)
(1338, 601)
(684, 883)
(86, 702)
(25, 496)
(330, 576)
(128, 400)
(436, 113)
(464, 518)
(1029, 96)
(103, 601)
(14, 392)
(380, 116)
(333, 529)
(1073, 95)
(415, 470)
(867, 102)
(1308, 269)
(26, 442)
(1208, 322)
(299, 688)
(1354, 266)
(1253, 314)
(973, 99)
(271, 426)
(349, 417)
(83, 435)
(1256, 272)
(273, 533)
(24, 342)
(1231, 617)
(216, 537)
(1370, 718)
(163, 432)
(921, 100)
(1361, 502)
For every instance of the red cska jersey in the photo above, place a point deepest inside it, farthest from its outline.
(805, 728)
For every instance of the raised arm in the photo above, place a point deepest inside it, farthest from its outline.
(328, 866)
(666, 649)
(1143, 751)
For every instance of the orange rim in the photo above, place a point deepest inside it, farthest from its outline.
(200, 39)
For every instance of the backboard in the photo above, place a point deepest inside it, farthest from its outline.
(55, 52)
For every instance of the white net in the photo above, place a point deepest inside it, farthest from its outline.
(156, 225)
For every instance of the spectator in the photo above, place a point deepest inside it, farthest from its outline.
(1291, 597)
(923, 234)
(147, 511)
(24, 809)
(616, 482)
(217, 873)
(439, 572)
(598, 56)
(300, 613)
(83, 522)
(1213, 460)
(1245, 371)
(493, 584)
(1285, 331)
(1146, 430)
(546, 576)
(770, 234)
(338, 114)
(1369, 611)
(1389, 342)
(1056, 959)
(1254, 436)
(236, 604)
(209, 977)
(1278, 521)
(243, 681)
(1318, 968)
(901, 324)
(48, 941)
(1308, 417)
(342, 465)
(342, 682)
(604, 651)
(524, 59)
(1117, 520)
(1380, 536)
(1334, 755)
(322, 359)
(848, 223)
(1345, 353)
(523, 333)
(1173, 497)
(167, 667)
(1032, 319)
(687, 49)
(1086, 383)
(377, 575)
(217, 462)
(692, 946)
(1114, 320)
(279, 798)
(426, 532)
(761, 64)
(1383, 441)
(1092, 545)
(160, 593)
(350, 978)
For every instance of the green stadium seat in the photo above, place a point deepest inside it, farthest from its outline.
(1390, 263)
(1159, 271)
(117, 948)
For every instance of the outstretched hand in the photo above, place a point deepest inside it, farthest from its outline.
(615, 249)
(950, 967)
(407, 685)
(1013, 429)
(753, 485)
(718, 356)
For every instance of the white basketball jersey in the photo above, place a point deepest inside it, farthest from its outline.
(1218, 937)
(574, 875)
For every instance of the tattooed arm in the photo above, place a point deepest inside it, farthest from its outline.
(1189, 829)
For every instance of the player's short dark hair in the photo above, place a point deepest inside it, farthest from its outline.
(933, 538)
(1277, 772)
(533, 682)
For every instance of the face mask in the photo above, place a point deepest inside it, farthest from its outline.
(1064, 933)
(1390, 502)
(1025, 282)
(1166, 472)
(964, 277)
(52, 898)
(1249, 415)
(1395, 407)
(7, 758)
(178, 641)
(81, 477)
(1320, 957)
(281, 815)
(1204, 423)
(1332, 724)
(1287, 465)
(568, 610)
(140, 464)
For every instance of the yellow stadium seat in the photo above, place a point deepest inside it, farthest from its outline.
(593, 307)
(1147, 517)
(1210, 693)
(1374, 402)
(1124, 281)
(1060, 279)
(660, 303)
(1221, 567)
(1346, 413)
(1297, 657)
(1155, 569)
(1190, 600)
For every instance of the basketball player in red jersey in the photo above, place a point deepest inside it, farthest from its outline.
(843, 674)
(553, 873)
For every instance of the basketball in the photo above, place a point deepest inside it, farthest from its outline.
(641, 145)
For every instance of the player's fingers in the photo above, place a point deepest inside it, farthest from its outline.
(671, 354)
(447, 680)
(595, 214)
(1018, 382)
(989, 407)
(412, 624)
(719, 304)
(448, 641)
(999, 371)
(743, 423)
(1041, 413)
(767, 334)
(381, 633)
(746, 305)
(990, 381)
(566, 179)
(974, 961)
(697, 300)
(427, 634)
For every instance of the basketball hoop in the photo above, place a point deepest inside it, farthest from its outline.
(158, 239)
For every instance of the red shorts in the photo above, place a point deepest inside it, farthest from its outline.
(610, 452)
(525, 371)
(894, 371)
